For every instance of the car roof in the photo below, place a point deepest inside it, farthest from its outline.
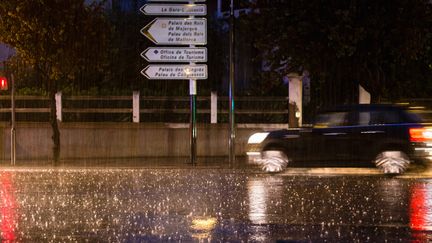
(408, 114)
(366, 107)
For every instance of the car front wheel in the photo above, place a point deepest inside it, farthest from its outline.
(273, 161)
(392, 162)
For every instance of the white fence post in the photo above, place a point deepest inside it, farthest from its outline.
(213, 107)
(58, 99)
(136, 106)
(295, 98)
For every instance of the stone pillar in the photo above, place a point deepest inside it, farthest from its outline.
(59, 106)
(295, 98)
(213, 107)
(364, 96)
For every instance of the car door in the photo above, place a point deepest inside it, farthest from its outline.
(330, 134)
(373, 128)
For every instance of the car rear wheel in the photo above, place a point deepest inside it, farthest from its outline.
(392, 162)
(274, 161)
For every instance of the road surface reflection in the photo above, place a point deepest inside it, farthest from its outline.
(8, 208)
(195, 205)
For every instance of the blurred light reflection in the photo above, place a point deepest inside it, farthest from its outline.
(258, 196)
(421, 207)
(263, 195)
(202, 227)
(8, 208)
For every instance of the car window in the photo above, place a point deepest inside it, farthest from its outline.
(384, 117)
(366, 118)
(419, 116)
(331, 119)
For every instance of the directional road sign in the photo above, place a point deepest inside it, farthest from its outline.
(175, 54)
(174, 9)
(198, 71)
(177, 31)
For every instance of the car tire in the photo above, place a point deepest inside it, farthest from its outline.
(392, 161)
(274, 161)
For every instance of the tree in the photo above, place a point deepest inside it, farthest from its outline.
(57, 38)
(344, 43)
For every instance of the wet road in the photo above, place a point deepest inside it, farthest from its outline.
(211, 205)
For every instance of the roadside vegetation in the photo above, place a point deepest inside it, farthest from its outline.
(57, 43)
(385, 46)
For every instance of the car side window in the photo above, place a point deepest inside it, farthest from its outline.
(418, 116)
(364, 118)
(384, 117)
(331, 119)
(367, 118)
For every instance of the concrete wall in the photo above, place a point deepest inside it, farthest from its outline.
(123, 140)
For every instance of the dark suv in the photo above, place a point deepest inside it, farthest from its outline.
(389, 137)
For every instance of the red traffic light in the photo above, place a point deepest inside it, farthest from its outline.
(3, 83)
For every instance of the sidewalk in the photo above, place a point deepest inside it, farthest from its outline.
(240, 163)
(148, 162)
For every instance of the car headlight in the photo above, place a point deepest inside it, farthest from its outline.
(254, 147)
(257, 137)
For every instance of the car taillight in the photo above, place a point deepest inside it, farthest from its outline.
(420, 134)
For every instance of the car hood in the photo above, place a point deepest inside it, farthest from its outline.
(286, 133)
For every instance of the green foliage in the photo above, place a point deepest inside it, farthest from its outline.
(343, 43)
(32, 91)
(84, 49)
(58, 38)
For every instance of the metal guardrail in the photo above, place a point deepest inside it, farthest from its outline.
(151, 108)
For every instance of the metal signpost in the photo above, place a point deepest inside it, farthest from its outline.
(4, 86)
(13, 129)
(189, 31)
(231, 89)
